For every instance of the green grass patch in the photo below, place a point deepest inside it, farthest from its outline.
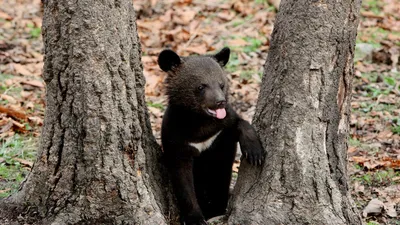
(354, 142)
(378, 178)
(9, 90)
(372, 223)
(396, 129)
(372, 77)
(269, 7)
(247, 74)
(234, 66)
(4, 77)
(34, 31)
(238, 22)
(374, 92)
(385, 107)
(253, 44)
(241, 21)
(358, 166)
(364, 179)
(155, 105)
(390, 81)
(374, 35)
(12, 91)
(12, 151)
(233, 63)
(374, 6)
(261, 2)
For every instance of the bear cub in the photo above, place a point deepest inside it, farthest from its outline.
(200, 131)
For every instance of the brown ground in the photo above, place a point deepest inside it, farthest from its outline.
(198, 27)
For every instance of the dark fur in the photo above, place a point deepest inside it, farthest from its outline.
(201, 180)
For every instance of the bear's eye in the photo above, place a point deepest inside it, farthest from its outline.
(201, 87)
(222, 86)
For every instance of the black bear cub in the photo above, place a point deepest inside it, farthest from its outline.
(200, 131)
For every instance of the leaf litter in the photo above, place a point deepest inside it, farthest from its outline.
(201, 27)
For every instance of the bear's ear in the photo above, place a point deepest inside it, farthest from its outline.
(222, 56)
(168, 59)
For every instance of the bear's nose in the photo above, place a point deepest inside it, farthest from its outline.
(221, 103)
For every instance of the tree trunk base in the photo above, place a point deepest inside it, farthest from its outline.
(302, 117)
(98, 161)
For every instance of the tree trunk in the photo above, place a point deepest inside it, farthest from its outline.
(302, 118)
(98, 162)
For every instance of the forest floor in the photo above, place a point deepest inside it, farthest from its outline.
(198, 27)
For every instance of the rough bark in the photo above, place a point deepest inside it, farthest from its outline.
(98, 162)
(302, 117)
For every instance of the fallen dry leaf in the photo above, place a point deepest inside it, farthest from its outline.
(34, 83)
(155, 111)
(359, 159)
(235, 167)
(188, 16)
(226, 15)
(199, 49)
(24, 162)
(26, 94)
(374, 208)
(15, 123)
(237, 42)
(4, 190)
(275, 3)
(390, 210)
(393, 163)
(36, 120)
(13, 113)
(390, 100)
(29, 105)
(385, 134)
(5, 16)
(21, 69)
(351, 149)
(6, 127)
(358, 187)
(10, 99)
(373, 164)
(371, 15)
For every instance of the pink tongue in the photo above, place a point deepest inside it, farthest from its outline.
(221, 113)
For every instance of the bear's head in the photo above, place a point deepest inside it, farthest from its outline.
(197, 83)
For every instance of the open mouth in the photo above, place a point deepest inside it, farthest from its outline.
(218, 113)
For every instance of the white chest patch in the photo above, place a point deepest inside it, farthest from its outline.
(202, 146)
